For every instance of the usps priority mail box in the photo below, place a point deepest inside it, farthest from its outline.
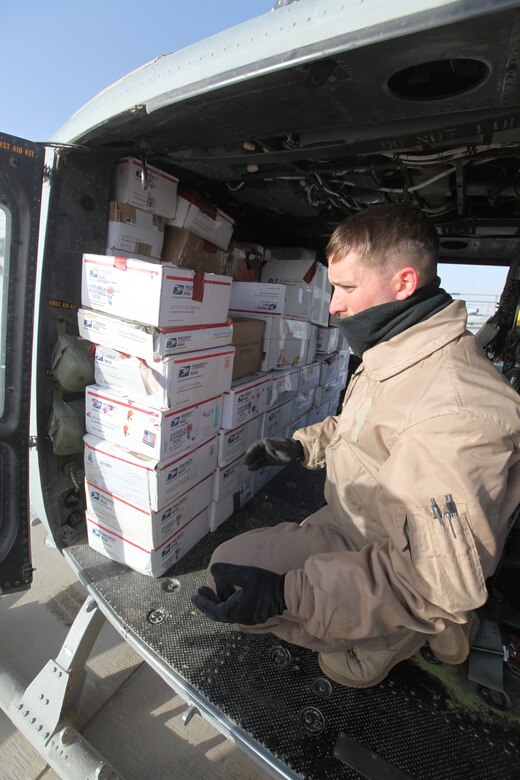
(234, 442)
(169, 382)
(146, 430)
(153, 293)
(149, 342)
(248, 397)
(150, 561)
(220, 511)
(142, 480)
(146, 527)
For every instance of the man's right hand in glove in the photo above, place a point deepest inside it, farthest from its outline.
(273, 452)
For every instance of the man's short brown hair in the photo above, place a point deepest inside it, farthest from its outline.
(388, 237)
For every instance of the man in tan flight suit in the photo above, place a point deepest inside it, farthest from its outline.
(422, 474)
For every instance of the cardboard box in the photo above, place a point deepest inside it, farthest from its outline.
(309, 377)
(246, 261)
(146, 527)
(166, 383)
(132, 230)
(143, 429)
(285, 386)
(312, 344)
(327, 341)
(309, 290)
(257, 298)
(220, 511)
(318, 413)
(144, 481)
(185, 249)
(159, 295)
(302, 403)
(227, 479)
(283, 353)
(234, 442)
(330, 368)
(285, 342)
(248, 339)
(150, 561)
(203, 218)
(276, 420)
(295, 425)
(159, 195)
(324, 394)
(148, 342)
(248, 397)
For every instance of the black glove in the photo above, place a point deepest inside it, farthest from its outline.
(273, 452)
(261, 595)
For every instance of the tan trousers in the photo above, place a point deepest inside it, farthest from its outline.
(284, 547)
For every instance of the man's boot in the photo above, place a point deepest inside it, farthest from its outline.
(362, 668)
(452, 645)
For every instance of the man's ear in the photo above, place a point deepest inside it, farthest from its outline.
(406, 283)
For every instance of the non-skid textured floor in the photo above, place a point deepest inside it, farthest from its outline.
(424, 722)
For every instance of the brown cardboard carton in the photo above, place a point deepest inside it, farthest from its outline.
(188, 250)
(246, 261)
(248, 337)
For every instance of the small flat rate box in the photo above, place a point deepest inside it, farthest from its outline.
(247, 398)
(153, 293)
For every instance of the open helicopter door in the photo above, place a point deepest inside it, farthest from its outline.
(21, 171)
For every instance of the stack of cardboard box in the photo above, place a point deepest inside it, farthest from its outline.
(154, 412)
(280, 398)
(192, 366)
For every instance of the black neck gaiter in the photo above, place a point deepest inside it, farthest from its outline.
(381, 323)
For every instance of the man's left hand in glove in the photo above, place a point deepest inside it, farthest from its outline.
(260, 597)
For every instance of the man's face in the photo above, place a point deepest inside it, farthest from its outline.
(357, 287)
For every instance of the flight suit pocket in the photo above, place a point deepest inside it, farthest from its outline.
(349, 490)
(443, 563)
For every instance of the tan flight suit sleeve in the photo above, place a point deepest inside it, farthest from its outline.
(424, 570)
(315, 439)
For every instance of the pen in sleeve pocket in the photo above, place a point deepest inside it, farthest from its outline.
(451, 512)
(437, 513)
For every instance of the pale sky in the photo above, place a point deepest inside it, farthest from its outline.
(471, 281)
(56, 55)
